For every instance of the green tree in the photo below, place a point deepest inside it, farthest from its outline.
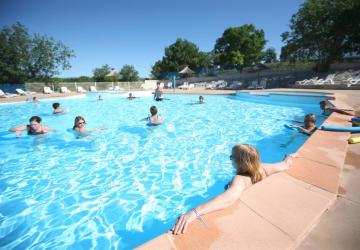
(178, 55)
(129, 73)
(240, 46)
(270, 55)
(323, 31)
(27, 57)
(99, 74)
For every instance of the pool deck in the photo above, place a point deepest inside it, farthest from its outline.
(22, 98)
(313, 205)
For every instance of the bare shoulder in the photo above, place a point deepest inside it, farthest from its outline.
(240, 180)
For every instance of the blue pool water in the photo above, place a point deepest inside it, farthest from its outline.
(123, 186)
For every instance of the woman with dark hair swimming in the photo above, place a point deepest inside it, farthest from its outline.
(33, 128)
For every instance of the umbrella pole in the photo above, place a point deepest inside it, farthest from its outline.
(174, 82)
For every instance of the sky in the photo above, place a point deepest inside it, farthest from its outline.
(118, 32)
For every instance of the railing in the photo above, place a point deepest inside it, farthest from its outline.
(72, 86)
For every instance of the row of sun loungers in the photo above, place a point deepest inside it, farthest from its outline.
(332, 79)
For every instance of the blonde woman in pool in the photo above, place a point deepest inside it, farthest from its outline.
(249, 170)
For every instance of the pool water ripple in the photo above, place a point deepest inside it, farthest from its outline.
(120, 187)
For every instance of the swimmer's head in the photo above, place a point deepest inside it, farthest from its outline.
(324, 105)
(153, 110)
(246, 160)
(35, 118)
(79, 122)
(130, 94)
(56, 105)
(309, 119)
(34, 122)
(201, 99)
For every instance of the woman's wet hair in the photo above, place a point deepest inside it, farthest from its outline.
(35, 118)
(77, 119)
(153, 110)
(247, 161)
(56, 105)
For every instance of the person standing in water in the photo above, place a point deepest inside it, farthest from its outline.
(158, 95)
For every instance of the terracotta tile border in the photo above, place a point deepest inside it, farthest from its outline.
(317, 168)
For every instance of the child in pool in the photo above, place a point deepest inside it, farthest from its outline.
(154, 118)
(309, 125)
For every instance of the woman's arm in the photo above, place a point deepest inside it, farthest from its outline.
(301, 129)
(272, 168)
(343, 111)
(18, 130)
(221, 201)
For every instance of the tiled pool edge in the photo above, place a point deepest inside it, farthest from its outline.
(278, 212)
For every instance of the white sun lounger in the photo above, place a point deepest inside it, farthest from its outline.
(93, 89)
(6, 95)
(64, 89)
(81, 90)
(47, 90)
(328, 80)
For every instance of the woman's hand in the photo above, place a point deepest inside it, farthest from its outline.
(183, 222)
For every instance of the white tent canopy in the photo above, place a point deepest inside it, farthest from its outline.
(186, 70)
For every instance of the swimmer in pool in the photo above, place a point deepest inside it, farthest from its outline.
(33, 128)
(158, 95)
(131, 97)
(57, 109)
(154, 118)
(309, 125)
(79, 126)
(327, 109)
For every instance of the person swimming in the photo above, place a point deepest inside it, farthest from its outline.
(100, 98)
(154, 119)
(249, 170)
(327, 109)
(158, 95)
(201, 99)
(57, 109)
(34, 127)
(309, 124)
(79, 126)
(131, 97)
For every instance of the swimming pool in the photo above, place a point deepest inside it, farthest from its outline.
(123, 186)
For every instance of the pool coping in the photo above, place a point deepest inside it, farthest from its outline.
(267, 214)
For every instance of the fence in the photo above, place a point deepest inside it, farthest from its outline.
(100, 86)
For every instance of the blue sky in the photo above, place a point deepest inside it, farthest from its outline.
(136, 32)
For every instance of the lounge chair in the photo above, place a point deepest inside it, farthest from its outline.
(307, 81)
(252, 85)
(47, 90)
(353, 81)
(262, 85)
(184, 86)
(21, 92)
(169, 85)
(117, 88)
(93, 89)
(64, 90)
(6, 95)
(329, 79)
(81, 90)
